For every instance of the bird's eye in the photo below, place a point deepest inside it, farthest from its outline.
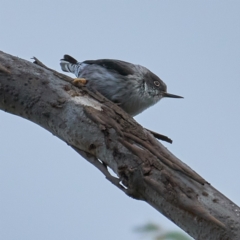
(156, 83)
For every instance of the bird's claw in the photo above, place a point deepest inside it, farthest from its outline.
(79, 81)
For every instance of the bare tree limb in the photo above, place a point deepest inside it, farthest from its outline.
(109, 138)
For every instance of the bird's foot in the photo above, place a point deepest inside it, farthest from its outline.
(79, 81)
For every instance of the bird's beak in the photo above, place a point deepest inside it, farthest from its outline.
(165, 94)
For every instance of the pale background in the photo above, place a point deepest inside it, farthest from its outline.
(46, 190)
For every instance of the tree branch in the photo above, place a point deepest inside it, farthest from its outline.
(106, 136)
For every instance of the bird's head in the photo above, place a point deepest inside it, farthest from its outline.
(156, 87)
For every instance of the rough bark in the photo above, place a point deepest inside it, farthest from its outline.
(108, 137)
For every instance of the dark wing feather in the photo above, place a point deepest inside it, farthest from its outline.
(70, 59)
(121, 67)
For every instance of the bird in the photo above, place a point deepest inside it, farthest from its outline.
(132, 87)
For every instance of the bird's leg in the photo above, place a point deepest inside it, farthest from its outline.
(79, 81)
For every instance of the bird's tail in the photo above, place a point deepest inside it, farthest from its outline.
(68, 64)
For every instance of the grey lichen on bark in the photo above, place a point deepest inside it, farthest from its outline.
(107, 137)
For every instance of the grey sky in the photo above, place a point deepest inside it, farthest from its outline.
(46, 190)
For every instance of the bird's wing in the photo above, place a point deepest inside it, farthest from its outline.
(121, 67)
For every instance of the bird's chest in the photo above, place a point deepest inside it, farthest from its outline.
(137, 103)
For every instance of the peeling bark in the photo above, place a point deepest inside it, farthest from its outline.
(107, 137)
